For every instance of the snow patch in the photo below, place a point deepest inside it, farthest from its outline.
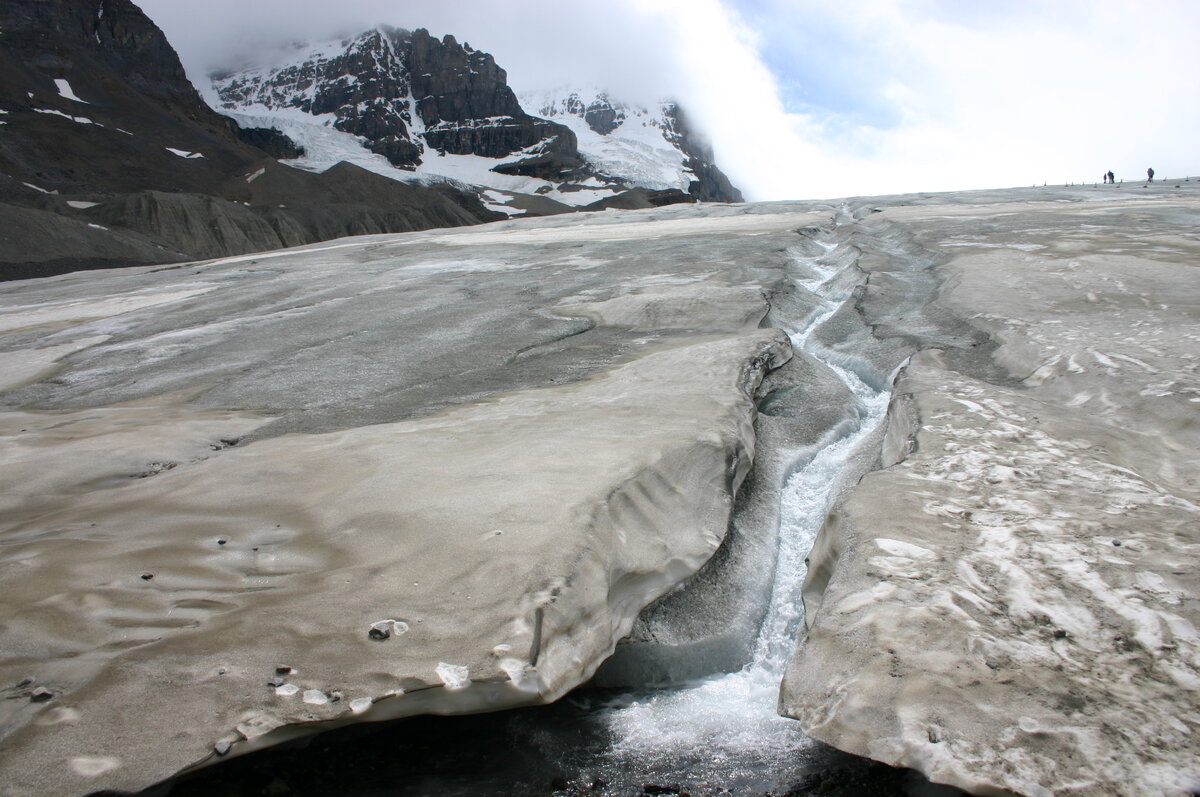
(184, 153)
(83, 120)
(65, 90)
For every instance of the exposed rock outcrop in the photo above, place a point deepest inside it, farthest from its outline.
(639, 198)
(270, 140)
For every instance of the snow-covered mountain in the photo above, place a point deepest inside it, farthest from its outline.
(410, 106)
(110, 158)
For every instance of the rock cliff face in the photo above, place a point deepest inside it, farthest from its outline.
(710, 183)
(96, 109)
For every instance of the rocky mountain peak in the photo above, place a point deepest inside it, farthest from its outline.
(404, 92)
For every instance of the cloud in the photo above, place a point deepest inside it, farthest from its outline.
(817, 98)
(540, 43)
(951, 95)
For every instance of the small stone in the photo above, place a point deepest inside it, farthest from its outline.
(282, 669)
(221, 542)
(1117, 543)
(382, 629)
(40, 695)
(1060, 634)
(222, 747)
(275, 680)
(147, 576)
(24, 682)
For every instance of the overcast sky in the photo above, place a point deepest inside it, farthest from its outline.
(819, 98)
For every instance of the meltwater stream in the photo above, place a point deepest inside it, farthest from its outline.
(725, 730)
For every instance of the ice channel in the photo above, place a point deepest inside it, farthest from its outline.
(725, 729)
(717, 735)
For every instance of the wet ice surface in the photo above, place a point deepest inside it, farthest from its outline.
(1023, 561)
(400, 400)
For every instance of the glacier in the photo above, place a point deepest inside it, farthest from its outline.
(255, 498)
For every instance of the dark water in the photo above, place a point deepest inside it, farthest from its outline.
(562, 749)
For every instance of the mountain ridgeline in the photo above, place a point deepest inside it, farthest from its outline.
(415, 99)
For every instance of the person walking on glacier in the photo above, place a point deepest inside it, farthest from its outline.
(1150, 175)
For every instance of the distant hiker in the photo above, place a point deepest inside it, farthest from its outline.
(1150, 175)
(1112, 178)
(1104, 178)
